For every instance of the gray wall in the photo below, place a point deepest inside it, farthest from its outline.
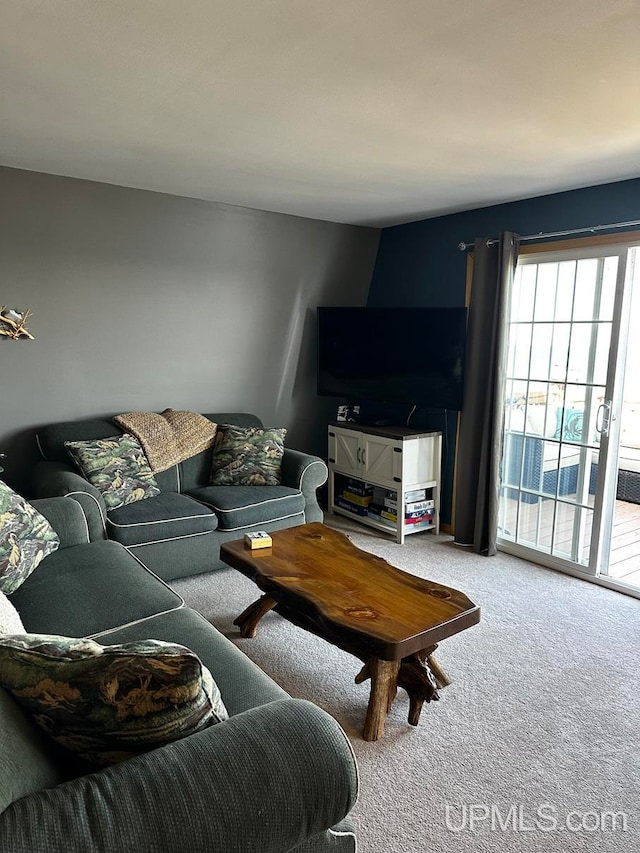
(143, 300)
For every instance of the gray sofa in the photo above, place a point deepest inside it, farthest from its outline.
(278, 776)
(179, 532)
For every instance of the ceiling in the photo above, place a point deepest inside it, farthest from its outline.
(371, 112)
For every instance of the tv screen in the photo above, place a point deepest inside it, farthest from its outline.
(393, 355)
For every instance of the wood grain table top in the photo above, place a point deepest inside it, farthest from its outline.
(351, 595)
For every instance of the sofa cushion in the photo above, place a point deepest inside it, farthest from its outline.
(95, 587)
(238, 507)
(26, 538)
(166, 516)
(10, 621)
(109, 703)
(247, 456)
(117, 467)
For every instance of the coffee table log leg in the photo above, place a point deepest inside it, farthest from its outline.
(248, 620)
(416, 678)
(393, 692)
(441, 677)
(384, 677)
(365, 673)
(419, 674)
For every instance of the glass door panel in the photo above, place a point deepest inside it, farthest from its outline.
(623, 563)
(564, 317)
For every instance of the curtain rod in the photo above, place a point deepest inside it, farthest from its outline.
(544, 235)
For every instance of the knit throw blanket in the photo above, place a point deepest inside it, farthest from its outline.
(169, 437)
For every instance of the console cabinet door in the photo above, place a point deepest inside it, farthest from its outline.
(381, 460)
(344, 451)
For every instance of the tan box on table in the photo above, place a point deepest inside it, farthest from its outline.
(259, 539)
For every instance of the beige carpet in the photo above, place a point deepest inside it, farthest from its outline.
(542, 719)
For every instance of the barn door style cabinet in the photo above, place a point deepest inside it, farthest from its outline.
(385, 477)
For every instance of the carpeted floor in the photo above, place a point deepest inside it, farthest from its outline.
(536, 739)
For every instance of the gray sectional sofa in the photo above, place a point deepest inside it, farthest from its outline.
(179, 532)
(279, 775)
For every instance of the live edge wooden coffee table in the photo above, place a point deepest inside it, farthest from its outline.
(317, 579)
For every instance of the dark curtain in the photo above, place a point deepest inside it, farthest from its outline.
(480, 437)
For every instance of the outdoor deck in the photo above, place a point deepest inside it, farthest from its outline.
(625, 544)
(535, 525)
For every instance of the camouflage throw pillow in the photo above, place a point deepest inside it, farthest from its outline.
(26, 537)
(117, 467)
(247, 456)
(109, 703)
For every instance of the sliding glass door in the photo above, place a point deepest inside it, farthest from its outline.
(623, 564)
(568, 316)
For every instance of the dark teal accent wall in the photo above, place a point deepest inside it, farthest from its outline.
(420, 263)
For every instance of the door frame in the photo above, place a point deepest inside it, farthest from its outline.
(575, 247)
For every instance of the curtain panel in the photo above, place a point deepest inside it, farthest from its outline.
(477, 481)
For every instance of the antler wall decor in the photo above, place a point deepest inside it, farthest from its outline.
(13, 323)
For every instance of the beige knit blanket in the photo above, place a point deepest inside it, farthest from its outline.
(169, 437)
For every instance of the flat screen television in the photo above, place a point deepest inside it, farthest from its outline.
(393, 355)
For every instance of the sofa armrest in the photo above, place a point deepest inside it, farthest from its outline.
(67, 518)
(55, 479)
(307, 473)
(261, 782)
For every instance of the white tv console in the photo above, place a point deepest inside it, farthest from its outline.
(394, 458)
